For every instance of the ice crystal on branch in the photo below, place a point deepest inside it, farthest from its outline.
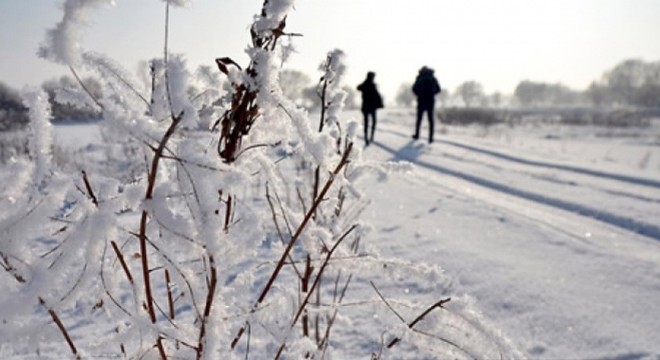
(63, 42)
(41, 142)
(188, 240)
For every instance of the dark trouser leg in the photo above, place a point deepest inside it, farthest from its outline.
(373, 125)
(366, 127)
(431, 124)
(420, 112)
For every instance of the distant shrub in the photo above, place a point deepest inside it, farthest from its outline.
(12, 144)
(13, 115)
(469, 116)
(564, 116)
(624, 118)
(12, 119)
(64, 99)
(601, 117)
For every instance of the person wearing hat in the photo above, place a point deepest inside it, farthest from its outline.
(426, 87)
(371, 101)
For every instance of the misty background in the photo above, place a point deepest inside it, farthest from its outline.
(509, 54)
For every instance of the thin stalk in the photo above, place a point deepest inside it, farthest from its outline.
(170, 300)
(90, 192)
(323, 344)
(122, 261)
(412, 324)
(296, 236)
(207, 308)
(165, 57)
(303, 305)
(142, 235)
(228, 213)
(61, 327)
(317, 171)
(279, 231)
(82, 84)
(309, 269)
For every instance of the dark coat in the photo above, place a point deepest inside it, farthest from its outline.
(371, 99)
(426, 87)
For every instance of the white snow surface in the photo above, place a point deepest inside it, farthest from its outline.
(550, 231)
(554, 230)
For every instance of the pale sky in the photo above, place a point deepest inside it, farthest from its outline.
(497, 43)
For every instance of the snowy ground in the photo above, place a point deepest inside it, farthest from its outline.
(552, 230)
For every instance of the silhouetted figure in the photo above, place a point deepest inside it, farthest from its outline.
(371, 101)
(426, 87)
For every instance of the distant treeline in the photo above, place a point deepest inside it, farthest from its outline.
(632, 83)
(14, 115)
(609, 117)
(12, 112)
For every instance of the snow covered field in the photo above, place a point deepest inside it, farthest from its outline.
(555, 230)
(551, 231)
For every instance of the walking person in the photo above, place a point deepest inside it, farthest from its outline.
(371, 101)
(426, 87)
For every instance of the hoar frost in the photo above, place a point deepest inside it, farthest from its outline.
(188, 252)
(63, 42)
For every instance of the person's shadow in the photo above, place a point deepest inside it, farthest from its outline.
(409, 152)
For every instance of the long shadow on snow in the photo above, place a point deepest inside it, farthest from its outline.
(630, 179)
(554, 180)
(629, 224)
(624, 178)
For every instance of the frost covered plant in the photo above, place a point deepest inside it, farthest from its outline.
(221, 246)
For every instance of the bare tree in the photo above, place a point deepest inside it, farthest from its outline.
(531, 93)
(294, 83)
(405, 96)
(350, 102)
(632, 82)
(471, 92)
(13, 114)
(62, 110)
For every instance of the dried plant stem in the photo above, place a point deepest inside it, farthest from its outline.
(123, 81)
(309, 269)
(317, 280)
(166, 57)
(84, 87)
(11, 269)
(61, 327)
(107, 290)
(122, 261)
(51, 312)
(228, 213)
(146, 278)
(427, 311)
(176, 267)
(419, 318)
(207, 308)
(90, 192)
(324, 107)
(280, 264)
(317, 319)
(322, 95)
(170, 298)
(237, 122)
(277, 227)
(323, 343)
(145, 267)
(115, 248)
(142, 235)
(412, 324)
